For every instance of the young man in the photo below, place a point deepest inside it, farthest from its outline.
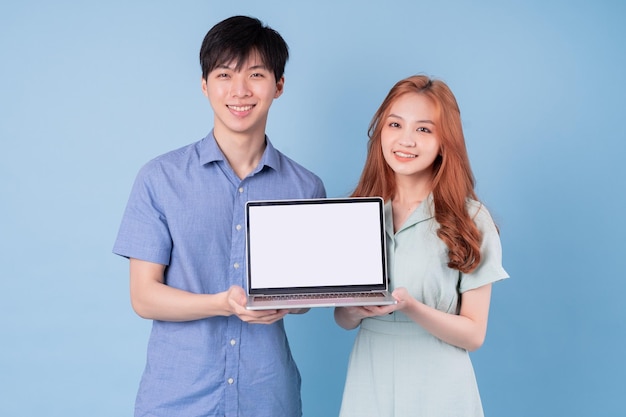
(183, 231)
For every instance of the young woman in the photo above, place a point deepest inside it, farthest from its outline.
(411, 359)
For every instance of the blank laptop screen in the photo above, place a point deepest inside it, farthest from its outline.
(315, 243)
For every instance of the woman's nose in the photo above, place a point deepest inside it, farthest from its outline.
(407, 140)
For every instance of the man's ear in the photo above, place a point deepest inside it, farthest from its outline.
(204, 87)
(280, 86)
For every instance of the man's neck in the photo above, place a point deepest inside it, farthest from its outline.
(242, 151)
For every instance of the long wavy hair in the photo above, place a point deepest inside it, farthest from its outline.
(453, 181)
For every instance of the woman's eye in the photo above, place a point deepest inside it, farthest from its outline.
(423, 129)
(394, 124)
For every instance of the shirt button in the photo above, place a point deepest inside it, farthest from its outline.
(230, 381)
(236, 265)
(238, 227)
(233, 342)
(240, 189)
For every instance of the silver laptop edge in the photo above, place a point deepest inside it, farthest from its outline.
(302, 294)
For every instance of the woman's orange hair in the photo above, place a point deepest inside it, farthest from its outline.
(452, 182)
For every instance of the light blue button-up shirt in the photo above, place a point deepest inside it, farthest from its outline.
(186, 211)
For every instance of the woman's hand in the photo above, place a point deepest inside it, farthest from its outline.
(350, 317)
(467, 329)
(403, 298)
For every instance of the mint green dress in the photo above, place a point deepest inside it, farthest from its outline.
(397, 368)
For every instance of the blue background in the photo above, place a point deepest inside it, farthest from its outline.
(89, 91)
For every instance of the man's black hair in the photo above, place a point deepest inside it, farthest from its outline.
(235, 38)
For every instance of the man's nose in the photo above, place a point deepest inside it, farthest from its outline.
(239, 87)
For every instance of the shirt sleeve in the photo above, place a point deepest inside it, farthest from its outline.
(144, 232)
(320, 190)
(490, 268)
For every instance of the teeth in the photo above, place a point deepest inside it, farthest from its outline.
(405, 155)
(240, 108)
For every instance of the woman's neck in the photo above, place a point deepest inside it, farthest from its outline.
(410, 190)
(408, 196)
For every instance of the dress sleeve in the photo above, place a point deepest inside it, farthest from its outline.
(490, 268)
(144, 232)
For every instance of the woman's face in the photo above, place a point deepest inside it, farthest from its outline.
(409, 138)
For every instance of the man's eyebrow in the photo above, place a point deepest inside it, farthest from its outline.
(232, 67)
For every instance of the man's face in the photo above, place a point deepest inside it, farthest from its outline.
(241, 99)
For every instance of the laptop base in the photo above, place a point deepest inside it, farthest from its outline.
(319, 300)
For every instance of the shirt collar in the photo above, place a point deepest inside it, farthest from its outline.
(209, 152)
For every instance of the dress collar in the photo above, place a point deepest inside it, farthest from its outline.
(423, 212)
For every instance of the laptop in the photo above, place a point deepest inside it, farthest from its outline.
(326, 252)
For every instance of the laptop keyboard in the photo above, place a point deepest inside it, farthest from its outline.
(317, 296)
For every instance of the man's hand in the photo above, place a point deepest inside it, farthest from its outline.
(236, 297)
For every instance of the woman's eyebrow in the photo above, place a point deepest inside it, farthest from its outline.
(416, 121)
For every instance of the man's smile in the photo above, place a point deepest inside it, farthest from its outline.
(240, 108)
